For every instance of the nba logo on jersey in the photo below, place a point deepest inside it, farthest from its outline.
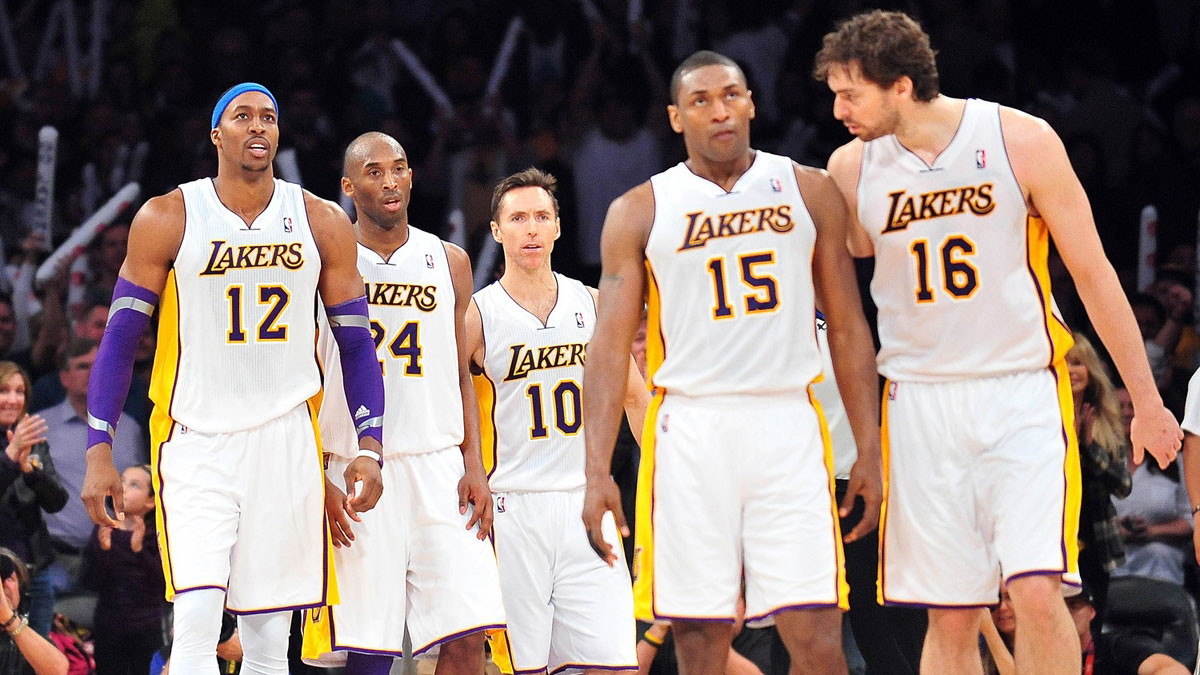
(579, 319)
(428, 261)
(500, 504)
(980, 159)
(776, 185)
(287, 224)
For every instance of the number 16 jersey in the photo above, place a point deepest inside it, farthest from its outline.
(730, 283)
(961, 278)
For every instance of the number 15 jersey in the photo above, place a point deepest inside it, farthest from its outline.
(730, 283)
(961, 279)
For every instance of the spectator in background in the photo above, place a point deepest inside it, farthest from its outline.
(28, 485)
(22, 651)
(1151, 321)
(71, 528)
(124, 567)
(618, 150)
(1104, 461)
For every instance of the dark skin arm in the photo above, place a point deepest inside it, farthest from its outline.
(618, 313)
(339, 282)
(473, 487)
(850, 344)
(154, 238)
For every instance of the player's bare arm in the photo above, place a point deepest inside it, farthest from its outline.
(1041, 166)
(637, 396)
(473, 487)
(850, 344)
(340, 283)
(845, 167)
(154, 238)
(618, 313)
(1191, 478)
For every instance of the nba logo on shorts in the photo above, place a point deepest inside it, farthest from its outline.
(891, 391)
(578, 319)
(980, 159)
(500, 504)
(287, 224)
(429, 261)
(776, 186)
(666, 421)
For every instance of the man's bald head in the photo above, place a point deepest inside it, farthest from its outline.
(360, 149)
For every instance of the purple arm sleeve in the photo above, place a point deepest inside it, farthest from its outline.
(108, 384)
(362, 378)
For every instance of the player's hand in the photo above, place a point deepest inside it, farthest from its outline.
(473, 489)
(866, 480)
(602, 496)
(339, 512)
(1155, 431)
(363, 470)
(102, 480)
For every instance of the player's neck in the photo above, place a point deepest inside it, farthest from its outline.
(534, 289)
(928, 127)
(246, 193)
(724, 174)
(382, 240)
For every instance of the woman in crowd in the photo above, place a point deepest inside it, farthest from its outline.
(28, 486)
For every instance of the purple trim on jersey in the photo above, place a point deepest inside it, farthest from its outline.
(695, 619)
(590, 666)
(362, 376)
(799, 606)
(113, 370)
(201, 588)
(367, 652)
(161, 499)
(454, 636)
(934, 605)
(270, 610)
(518, 671)
(1040, 573)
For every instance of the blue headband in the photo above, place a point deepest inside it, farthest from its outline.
(235, 91)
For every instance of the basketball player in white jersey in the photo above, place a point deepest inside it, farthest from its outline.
(237, 261)
(428, 532)
(732, 248)
(957, 201)
(528, 335)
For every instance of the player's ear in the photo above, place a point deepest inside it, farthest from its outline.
(347, 187)
(903, 87)
(495, 231)
(750, 97)
(214, 135)
(673, 118)
(557, 228)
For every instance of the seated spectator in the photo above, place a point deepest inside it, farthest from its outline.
(1119, 652)
(28, 485)
(124, 567)
(22, 651)
(1156, 525)
(71, 528)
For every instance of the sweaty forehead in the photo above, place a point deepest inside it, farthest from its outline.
(710, 78)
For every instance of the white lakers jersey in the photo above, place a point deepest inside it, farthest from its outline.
(531, 405)
(237, 327)
(730, 283)
(961, 280)
(411, 298)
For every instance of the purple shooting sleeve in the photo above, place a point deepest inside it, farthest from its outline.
(108, 385)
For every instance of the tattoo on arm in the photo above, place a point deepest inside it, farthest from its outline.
(612, 278)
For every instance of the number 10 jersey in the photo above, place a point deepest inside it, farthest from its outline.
(730, 286)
